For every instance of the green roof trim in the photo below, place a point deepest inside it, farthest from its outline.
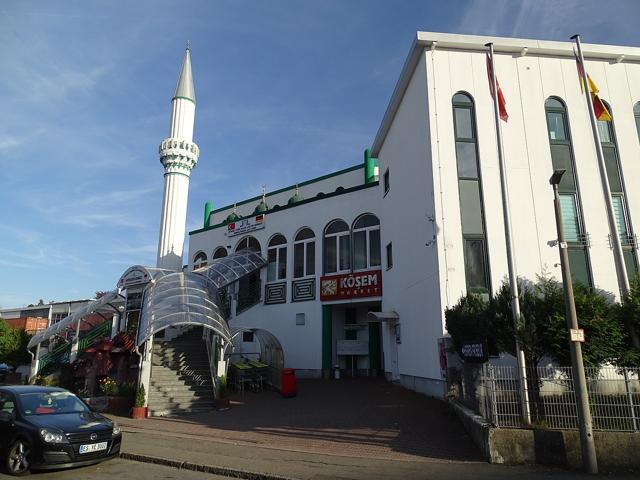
(184, 98)
(301, 202)
(292, 187)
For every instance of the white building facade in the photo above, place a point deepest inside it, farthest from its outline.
(364, 262)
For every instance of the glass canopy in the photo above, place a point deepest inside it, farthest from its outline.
(226, 270)
(102, 304)
(184, 298)
(139, 275)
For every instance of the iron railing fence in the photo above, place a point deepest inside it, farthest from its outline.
(494, 392)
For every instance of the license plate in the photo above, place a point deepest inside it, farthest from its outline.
(93, 447)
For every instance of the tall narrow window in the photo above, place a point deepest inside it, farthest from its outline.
(618, 194)
(304, 254)
(200, 260)
(636, 114)
(474, 241)
(562, 158)
(366, 242)
(337, 247)
(277, 258)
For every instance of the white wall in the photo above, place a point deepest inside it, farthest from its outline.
(412, 286)
(302, 344)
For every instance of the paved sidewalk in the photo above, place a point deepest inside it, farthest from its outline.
(351, 429)
(362, 418)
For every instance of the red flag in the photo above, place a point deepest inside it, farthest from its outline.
(502, 104)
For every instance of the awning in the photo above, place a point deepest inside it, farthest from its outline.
(184, 298)
(226, 270)
(99, 305)
(389, 317)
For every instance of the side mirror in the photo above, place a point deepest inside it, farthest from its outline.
(6, 416)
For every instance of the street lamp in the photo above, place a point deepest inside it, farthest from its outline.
(576, 337)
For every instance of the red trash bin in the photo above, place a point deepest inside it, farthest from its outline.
(288, 386)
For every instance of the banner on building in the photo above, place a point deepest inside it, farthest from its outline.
(351, 285)
(245, 225)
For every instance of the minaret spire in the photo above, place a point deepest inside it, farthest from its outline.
(178, 154)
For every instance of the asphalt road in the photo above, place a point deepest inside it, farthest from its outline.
(121, 469)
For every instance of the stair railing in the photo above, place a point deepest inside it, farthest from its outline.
(208, 336)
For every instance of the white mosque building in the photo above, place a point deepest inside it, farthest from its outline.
(355, 269)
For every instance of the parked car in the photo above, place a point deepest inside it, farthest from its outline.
(46, 428)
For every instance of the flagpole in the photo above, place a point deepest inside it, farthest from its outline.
(623, 279)
(513, 280)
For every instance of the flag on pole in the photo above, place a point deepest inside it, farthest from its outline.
(502, 104)
(599, 108)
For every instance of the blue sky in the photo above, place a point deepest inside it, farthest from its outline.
(286, 90)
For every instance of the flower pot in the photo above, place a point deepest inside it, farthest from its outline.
(222, 404)
(138, 413)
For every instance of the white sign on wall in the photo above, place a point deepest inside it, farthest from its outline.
(245, 225)
(353, 347)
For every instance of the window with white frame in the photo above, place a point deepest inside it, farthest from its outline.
(337, 247)
(366, 242)
(249, 243)
(304, 253)
(200, 260)
(219, 252)
(277, 258)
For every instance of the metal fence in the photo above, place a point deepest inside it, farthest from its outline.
(494, 392)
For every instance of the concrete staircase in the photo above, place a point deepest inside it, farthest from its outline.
(180, 377)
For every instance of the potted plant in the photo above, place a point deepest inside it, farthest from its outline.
(221, 400)
(139, 411)
(121, 403)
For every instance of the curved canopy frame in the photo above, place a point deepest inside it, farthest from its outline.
(100, 305)
(183, 298)
(271, 351)
(226, 270)
(140, 275)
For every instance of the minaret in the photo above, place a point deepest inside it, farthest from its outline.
(178, 155)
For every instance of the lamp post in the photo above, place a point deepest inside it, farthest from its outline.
(576, 337)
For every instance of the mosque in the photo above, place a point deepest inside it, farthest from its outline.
(350, 273)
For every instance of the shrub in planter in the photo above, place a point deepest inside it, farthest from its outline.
(108, 386)
(222, 401)
(139, 411)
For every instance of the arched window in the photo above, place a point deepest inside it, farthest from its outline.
(572, 219)
(200, 260)
(277, 258)
(304, 253)
(337, 247)
(366, 242)
(476, 264)
(618, 194)
(636, 114)
(249, 243)
(219, 252)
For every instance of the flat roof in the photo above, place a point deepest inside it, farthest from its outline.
(522, 46)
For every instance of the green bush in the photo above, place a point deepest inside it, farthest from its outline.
(222, 386)
(127, 389)
(140, 396)
(13, 345)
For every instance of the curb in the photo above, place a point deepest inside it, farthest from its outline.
(228, 472)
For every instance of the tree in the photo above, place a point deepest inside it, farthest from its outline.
(13, 345)
(628, 313)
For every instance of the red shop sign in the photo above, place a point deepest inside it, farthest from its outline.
(351, 285)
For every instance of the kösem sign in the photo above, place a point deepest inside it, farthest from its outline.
(351, 285)
(245, 225)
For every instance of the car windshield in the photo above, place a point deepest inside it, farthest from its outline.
(48, 403)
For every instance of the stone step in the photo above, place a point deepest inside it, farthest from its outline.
(186, 406)
(180, 397)
(184, 373)
(172, 412)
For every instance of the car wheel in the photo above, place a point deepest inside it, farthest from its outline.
(18, 458)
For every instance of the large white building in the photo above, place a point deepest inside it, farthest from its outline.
(362, 263)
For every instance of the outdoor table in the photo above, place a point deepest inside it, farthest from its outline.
(243, 373)
(259, 373)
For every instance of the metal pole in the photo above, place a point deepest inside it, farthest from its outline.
(587, 444)
(513, 280)
(623, 279)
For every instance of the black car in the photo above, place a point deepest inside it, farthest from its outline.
(46, 428)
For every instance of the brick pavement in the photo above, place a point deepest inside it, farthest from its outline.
(350, 417)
